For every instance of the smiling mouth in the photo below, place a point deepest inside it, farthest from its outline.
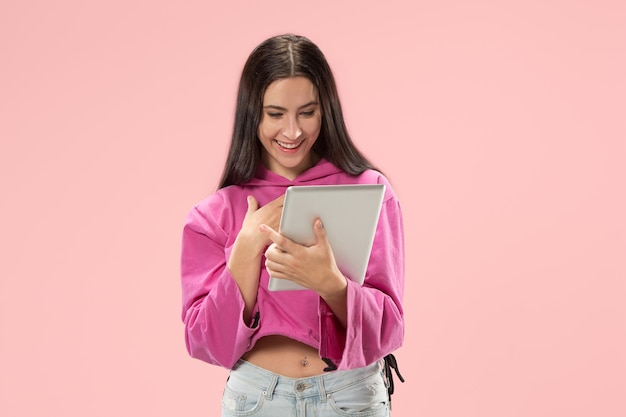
(289, 145)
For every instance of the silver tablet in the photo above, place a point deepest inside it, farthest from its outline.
(350, 216)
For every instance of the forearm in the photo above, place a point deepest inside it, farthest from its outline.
(245, 267)
(375, 328)
(215, 331)
(338, 303)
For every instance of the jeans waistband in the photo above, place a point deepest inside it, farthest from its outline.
(319, 385)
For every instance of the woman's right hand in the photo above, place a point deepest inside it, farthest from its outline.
(249, 236)
(244, 263)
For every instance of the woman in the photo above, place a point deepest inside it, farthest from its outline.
(290, 351)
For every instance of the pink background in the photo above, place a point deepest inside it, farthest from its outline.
(501, 125)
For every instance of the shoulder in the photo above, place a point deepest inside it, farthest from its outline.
(218, 207)
(372, 176)
(215, 201)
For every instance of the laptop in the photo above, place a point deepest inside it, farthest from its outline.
(350, 216)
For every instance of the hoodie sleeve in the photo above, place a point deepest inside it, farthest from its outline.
(375, 325)
(212, 304)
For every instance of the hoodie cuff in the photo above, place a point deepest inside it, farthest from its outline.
(332, 336)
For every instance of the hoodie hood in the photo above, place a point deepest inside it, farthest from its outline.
(323, 169)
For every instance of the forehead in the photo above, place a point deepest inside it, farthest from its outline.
(294, 90)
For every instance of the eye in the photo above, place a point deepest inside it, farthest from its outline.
(274, 115)
(309, 113)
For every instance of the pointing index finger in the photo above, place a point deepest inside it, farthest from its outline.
(274, 236)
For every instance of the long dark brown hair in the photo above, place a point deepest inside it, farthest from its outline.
(280, 57)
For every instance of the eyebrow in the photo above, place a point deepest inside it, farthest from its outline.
(272, 106)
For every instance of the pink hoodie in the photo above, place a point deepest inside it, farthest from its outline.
(213, 306)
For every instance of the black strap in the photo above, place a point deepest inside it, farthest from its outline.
(391, 363)
(331, 366)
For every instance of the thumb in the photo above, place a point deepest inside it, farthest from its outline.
(253, 205)
(319, 231)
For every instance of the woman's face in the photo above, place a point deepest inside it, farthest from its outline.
(290, 124)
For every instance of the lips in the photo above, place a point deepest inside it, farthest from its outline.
(290, 146)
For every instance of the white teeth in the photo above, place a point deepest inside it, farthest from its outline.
(289, 145)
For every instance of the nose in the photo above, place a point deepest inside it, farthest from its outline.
(292, 130)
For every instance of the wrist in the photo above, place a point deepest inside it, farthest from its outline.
(337, 292)
(248, 248)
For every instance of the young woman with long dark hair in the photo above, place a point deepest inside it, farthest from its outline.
(320, 351)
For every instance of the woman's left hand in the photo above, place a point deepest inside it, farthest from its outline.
(313, 267)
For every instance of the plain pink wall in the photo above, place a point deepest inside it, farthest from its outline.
(500, 124)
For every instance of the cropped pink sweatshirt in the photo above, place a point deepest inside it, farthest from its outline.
(213, 306)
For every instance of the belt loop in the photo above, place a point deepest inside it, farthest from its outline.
(271, 387)
(321, 388)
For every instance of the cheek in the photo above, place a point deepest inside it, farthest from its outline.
(266, 132)
(311, 126)
(314, 127)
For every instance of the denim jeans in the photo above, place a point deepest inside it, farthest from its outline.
(253, 391)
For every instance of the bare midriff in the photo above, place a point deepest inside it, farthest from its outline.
(285, 356)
